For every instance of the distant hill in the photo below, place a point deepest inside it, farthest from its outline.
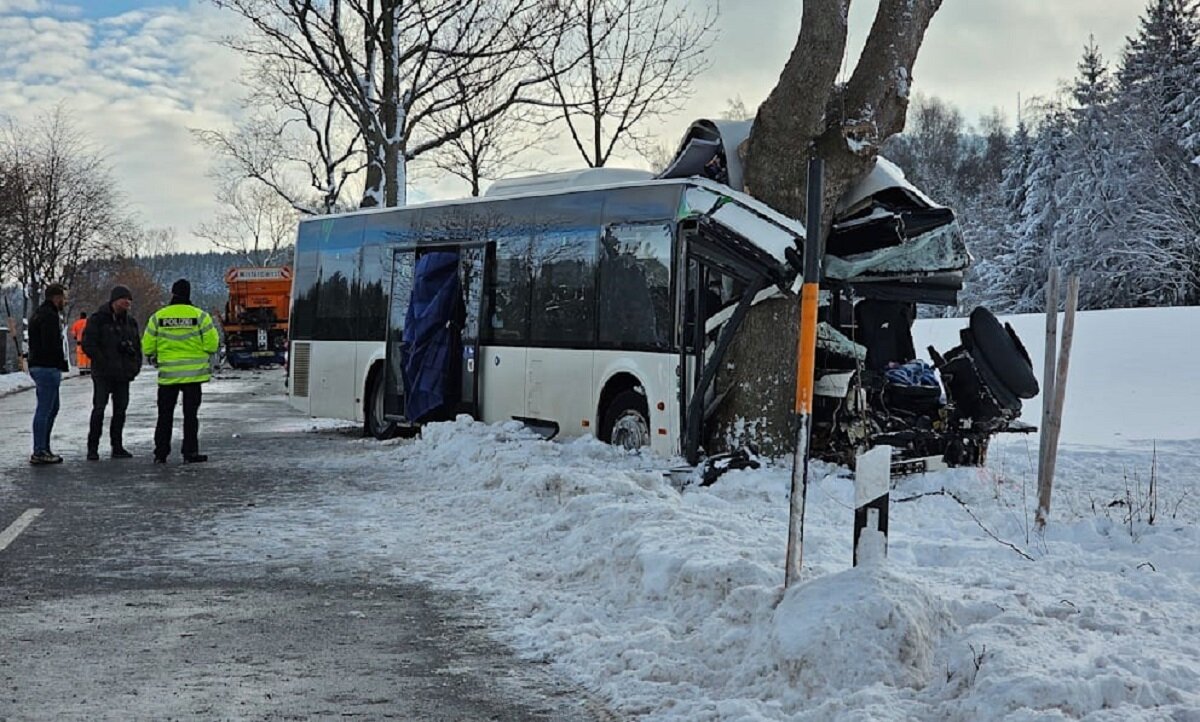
(205, 271)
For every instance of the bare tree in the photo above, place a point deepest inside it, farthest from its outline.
(64, 207)
(95, 280)
(489, 149)
(622, 63)
(845, 124)
(8, 218)
(735, 109)
(254, 222)
(394, 66)
(295, 139)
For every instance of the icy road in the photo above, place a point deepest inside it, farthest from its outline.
(119, 601)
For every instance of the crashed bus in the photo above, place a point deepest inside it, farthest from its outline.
(602, 302)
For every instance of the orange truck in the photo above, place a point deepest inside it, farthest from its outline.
(256, 315)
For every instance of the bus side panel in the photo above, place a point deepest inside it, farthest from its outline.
(656, 371)
(300, 403)
(501, 382)
(367, 354)
(559, 389)
(331, 380)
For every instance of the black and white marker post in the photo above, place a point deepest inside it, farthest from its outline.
(872, 487)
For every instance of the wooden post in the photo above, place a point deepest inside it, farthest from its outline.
(806, 349)
(1048, 376)
(1060, 397)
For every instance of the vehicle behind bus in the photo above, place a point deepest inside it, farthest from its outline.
(255, 320)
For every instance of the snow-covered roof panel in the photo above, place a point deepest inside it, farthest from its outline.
(566, 181)
(884, 176)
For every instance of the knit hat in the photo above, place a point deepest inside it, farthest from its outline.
(119, 292)
(182, 290)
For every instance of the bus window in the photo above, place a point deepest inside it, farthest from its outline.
(508, 288)
(564, 277)
(305, 280)
(340, 244)
(635, 286)
(563, 259)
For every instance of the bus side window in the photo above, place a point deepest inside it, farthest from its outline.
(564, 300)
(508, 312)
(635, 290)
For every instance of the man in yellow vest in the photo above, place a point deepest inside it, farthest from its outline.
(179, 340)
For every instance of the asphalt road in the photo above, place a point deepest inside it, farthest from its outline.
(98, 622)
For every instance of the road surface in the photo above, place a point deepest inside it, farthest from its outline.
(98, 621)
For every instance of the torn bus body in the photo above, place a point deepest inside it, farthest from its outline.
(891, 248)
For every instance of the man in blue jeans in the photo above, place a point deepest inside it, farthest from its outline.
(47, 362)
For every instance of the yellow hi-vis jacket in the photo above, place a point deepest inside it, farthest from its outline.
(182, 338)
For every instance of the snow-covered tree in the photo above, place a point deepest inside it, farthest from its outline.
(1157, 90)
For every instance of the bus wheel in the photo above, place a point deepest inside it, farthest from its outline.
(627, 421)
(377, 424)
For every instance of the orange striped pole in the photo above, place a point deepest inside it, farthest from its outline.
(806, 355)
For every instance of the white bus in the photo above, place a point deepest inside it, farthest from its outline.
(573, 311)
(569, 302)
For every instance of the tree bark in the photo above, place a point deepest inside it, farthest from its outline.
(809, 112)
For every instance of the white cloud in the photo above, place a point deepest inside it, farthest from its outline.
(135, 83)
(32, 7)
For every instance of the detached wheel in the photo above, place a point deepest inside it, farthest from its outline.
(376, 423)
(627, 421)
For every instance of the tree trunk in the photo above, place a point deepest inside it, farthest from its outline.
(389, 111)
(807, 112)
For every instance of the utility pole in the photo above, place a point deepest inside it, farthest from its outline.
(806, 350)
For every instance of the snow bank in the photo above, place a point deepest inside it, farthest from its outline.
(12, 383)
(1130, 378)
(670, 605)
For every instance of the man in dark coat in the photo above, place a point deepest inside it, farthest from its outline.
(112, 342)
(47, 362)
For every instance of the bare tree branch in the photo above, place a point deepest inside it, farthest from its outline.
(394, 67)
(620, 64)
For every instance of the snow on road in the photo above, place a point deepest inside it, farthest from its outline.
(670, 605)
(14, 382)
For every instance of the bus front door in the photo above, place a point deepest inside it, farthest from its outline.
(461, 390)
(403, 269)
(471, 279)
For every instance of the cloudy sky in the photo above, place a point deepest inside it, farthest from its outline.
(138, 74)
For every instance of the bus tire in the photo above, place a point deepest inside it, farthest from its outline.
(374, 422)
(627, 421)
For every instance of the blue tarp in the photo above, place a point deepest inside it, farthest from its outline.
(431, 340)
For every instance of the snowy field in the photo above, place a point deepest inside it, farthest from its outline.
(14, 382)
(670, 606)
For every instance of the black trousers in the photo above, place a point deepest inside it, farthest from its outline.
(102, 389)
(167, 396)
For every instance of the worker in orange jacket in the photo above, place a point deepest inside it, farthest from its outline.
(81, 359)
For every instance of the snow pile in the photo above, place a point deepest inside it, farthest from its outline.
(12, 383)
(854, 629)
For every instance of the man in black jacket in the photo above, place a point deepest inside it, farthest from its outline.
(47, 362)
(112, 342)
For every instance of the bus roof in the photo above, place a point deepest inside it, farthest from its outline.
(556, 190)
